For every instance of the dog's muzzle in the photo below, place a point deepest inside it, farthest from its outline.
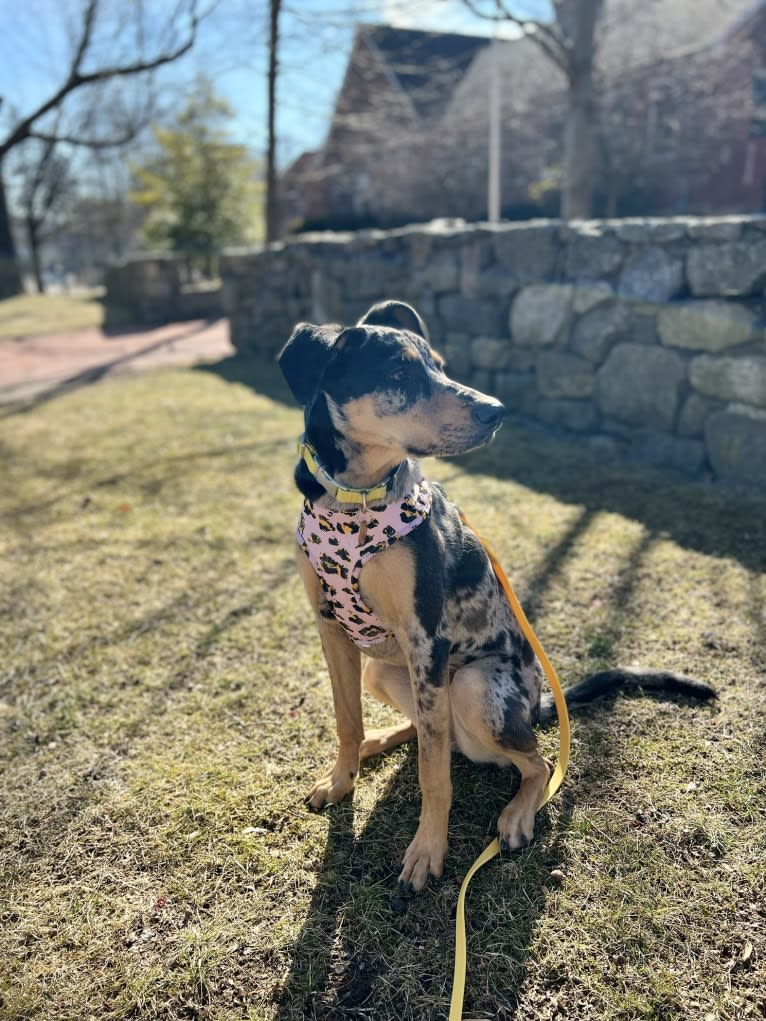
(489, 413)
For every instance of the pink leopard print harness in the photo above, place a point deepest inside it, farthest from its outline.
(331, 541)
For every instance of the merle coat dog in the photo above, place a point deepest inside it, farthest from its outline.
(405, 598)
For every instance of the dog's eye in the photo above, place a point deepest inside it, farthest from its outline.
(397, 376)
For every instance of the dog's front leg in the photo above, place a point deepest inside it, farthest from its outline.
(344, 663)
(428, 662)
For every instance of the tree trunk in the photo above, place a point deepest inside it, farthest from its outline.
(10, 277)
(34, 253)
(580, 134)
(579, 152)
(272, 203)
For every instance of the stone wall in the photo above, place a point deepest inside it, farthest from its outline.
(644, 337)
(148, 289)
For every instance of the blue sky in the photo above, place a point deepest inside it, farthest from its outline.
(35, 40)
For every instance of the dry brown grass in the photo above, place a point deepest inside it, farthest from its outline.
(164, 707)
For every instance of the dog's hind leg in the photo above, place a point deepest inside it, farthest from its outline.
(378, 741)
(491, 723)
(391, 685)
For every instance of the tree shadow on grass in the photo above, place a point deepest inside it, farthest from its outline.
(366, 952)
(262, 375)
(712, 519)
(359, 956)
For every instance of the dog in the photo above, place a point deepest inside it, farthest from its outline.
(404, 595)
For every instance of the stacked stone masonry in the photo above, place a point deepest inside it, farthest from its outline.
(646, 338)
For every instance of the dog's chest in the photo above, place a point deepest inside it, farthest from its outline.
(339, 543)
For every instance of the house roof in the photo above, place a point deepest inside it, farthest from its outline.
(426, 65)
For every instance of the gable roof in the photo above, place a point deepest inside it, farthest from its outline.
(426, 65)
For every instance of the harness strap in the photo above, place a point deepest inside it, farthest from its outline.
(458, 980)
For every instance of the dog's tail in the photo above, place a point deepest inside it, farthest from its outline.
(608, 681)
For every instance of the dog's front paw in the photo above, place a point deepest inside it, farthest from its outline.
(330, 789)
(423, 858)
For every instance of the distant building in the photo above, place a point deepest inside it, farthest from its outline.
(682, 121)
(377, 164)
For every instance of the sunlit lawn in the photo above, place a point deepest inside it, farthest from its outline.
(30, 314)
(164, 707)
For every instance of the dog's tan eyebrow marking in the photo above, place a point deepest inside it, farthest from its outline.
(437, 357)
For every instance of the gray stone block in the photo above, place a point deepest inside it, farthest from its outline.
(528, 253)
(589, 294)
(420, 247)
(491, 353)
(714, 228)
(457, 351)
(736, 446)
(598, 330)
(540, 314)
(726, 269)
(694, 413)
(593, 254)
(652, 275)
(665, 451)
(560, 374)
(730, 379)
(326, 300)
(522, 359)
(475, 256)
(642, 327)
(496, 282)
(706, 325)
(441, 272)
(641, 231)
(641, 385)
(472, 315)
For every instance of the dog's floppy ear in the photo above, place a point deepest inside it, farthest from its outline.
(304, 357)
(395, 314)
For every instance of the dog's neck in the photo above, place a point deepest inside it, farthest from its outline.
(352, 466)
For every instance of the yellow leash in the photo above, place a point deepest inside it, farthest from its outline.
(458, 981)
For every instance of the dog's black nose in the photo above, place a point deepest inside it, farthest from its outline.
(488, 413)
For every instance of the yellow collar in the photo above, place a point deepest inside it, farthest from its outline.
(339, 492)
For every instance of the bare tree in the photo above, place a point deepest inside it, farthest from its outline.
(46, 183)
(86, 70)
(568, 41)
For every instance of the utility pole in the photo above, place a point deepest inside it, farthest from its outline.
(494, 156)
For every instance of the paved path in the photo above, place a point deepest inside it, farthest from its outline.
(37, 367)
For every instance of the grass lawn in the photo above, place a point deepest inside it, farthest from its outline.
(164, 707)
(31, 314)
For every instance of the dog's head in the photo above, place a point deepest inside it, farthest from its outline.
(380, 384)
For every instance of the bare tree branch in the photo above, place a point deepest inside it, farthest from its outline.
(87, 143)
(76, 79)
(554, 45)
